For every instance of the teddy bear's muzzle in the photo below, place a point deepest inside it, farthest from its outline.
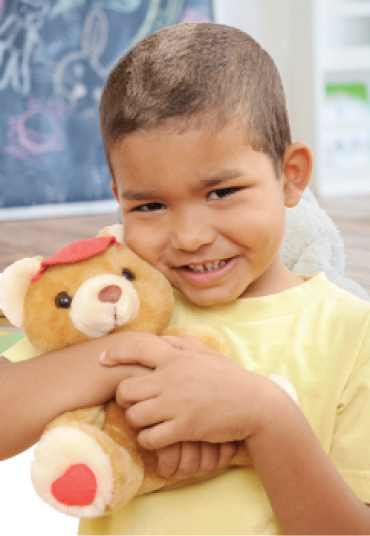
(103, 303)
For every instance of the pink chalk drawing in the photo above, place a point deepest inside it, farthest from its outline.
(25, 141)
(193, 15)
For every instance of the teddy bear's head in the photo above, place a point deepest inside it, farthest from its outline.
(88, 289)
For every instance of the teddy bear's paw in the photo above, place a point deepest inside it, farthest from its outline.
(72, 473)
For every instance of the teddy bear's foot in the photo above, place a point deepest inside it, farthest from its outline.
(74, 473)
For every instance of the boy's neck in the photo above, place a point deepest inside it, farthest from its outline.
(277, 278)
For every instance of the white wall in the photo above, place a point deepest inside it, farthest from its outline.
(285, 28)
(269, 22)
(21, 510)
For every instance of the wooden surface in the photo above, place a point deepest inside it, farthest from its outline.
(44, 237)
(352, 217)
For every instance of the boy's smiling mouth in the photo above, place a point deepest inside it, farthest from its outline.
(206, 267)
(207, 273)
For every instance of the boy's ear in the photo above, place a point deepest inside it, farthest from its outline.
(296, 171)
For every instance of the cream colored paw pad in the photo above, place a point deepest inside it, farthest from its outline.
(72, 473)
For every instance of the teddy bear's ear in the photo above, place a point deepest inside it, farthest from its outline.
(113, 230)
(14, 283)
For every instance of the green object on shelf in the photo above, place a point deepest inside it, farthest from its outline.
(8, 339)
(357, 91)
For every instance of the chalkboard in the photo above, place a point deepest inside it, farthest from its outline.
(54, 58)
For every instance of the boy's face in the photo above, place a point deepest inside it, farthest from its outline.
(205, 209)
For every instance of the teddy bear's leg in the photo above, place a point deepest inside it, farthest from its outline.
(80, 471)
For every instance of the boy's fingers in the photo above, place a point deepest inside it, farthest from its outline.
(168, 460)
(190, 460)
(146, 413)
(194, 458)
(135, 389)
(227, 452)
(159, 436)
(148, 351)
(210, 455)
(188, 343)
(136, 370)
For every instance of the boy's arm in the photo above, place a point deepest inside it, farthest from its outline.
(306, 492)
(195, 394)
(34, 392)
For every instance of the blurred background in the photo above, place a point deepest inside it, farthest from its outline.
(54, 182)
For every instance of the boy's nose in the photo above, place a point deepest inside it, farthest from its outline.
(191, 233)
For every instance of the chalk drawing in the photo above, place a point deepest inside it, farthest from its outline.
(122, 6)
(194, 15)
(63, 6)
(36, 131)
(19, 37)
(75, 69)
(54, 58)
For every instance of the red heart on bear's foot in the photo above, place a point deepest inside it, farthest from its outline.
(77, 487)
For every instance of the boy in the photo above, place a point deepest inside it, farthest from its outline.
(196, 135)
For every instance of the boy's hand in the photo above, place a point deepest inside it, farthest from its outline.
(193, 393)
(193, 458)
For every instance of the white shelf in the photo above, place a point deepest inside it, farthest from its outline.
(347, 125)
(342, 37)
(348, 9)
(343, 182)
(58, 210)
(347, 58)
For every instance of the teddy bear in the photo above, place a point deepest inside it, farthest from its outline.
(88, 462)
(313, 244)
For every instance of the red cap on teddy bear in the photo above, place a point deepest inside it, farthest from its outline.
(77, 251)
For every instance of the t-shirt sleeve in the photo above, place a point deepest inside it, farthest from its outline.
(350, 450)
(21, 351)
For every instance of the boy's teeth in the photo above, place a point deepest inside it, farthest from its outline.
(206, 267)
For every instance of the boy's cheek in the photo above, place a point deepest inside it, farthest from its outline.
(135, 240)
(143, 243)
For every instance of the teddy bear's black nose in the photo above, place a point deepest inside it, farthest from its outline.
(110, 294)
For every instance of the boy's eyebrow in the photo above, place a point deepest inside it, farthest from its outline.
(142, 195)
(221, 176)
(208, 182)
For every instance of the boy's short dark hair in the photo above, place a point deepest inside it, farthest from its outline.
(195, 72)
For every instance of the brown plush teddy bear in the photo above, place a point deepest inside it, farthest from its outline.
(88, 462)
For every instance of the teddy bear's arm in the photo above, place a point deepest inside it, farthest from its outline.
(316, 258)
(203, 333)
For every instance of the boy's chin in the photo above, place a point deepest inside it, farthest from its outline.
(209, 297)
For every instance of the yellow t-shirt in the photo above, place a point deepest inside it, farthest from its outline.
(318, 337)
(20, 351)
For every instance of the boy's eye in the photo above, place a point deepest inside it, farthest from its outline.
(149, 207)
(222, 192)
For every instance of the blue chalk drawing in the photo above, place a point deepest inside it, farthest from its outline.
(54, 58)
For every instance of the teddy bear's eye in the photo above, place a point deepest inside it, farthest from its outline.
(128, 274)
(63, 300)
